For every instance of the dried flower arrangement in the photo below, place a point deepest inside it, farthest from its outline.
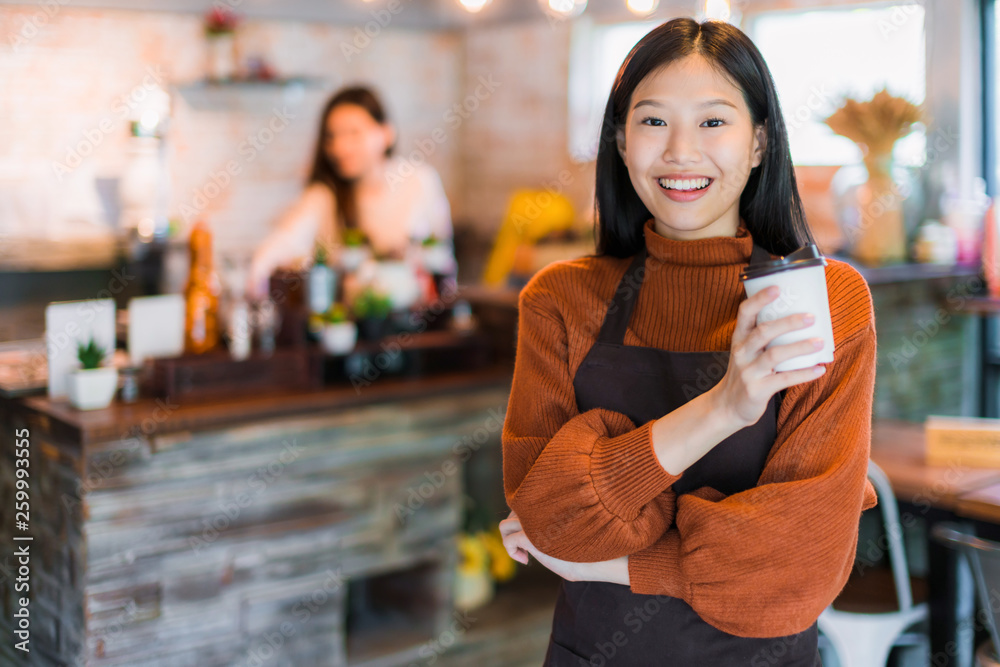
(875, 125)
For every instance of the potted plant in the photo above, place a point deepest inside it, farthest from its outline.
(355, 249)
(371, 310)
(92, 386)
(338, 334)
(437, 255)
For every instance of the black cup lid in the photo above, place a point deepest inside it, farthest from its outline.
(807, 255)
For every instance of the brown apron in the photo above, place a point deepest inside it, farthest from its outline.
(600, 623)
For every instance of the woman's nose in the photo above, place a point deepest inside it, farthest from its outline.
(682, 146)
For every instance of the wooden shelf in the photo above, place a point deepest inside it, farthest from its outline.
(909, 271)
(253, 95)
(21, 255)
(416, 340)
(248, 84)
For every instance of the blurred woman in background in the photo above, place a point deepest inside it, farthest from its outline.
(355, 183)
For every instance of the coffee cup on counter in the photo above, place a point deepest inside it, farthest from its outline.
(801, 277)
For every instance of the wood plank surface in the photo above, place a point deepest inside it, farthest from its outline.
(899, 447)
(148, 415)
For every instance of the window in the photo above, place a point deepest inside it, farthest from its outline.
(819, 57)
(596, 53)
(816, 58)
(991, 96)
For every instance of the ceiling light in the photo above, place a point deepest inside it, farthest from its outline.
(717, 9)
(563, 9)
(642, 7)
(473, 6)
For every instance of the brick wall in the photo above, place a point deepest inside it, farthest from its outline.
(518, 137)
(498, 95)
(70, 75)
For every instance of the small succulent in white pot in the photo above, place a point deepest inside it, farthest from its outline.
(355, 251)
(437, 254)
(93, 385)
(339, 334)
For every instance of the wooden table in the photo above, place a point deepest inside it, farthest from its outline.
(982, 504)
(898, 448)
(938, 493)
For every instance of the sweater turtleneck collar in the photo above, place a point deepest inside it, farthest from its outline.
(712, 251)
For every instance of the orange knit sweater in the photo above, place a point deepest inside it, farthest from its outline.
(588, 487)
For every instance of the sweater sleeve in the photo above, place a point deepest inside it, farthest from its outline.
(586, 486)
(765, 562)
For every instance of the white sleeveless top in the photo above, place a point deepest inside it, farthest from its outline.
(414, 207)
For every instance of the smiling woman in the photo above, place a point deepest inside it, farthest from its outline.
(734, 502)
(671, 116)
(695, 104)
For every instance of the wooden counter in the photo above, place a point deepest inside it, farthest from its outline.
(155, 418)
(310, 528)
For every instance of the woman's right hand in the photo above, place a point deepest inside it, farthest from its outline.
(750, 379)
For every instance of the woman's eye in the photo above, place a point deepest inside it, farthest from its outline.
(656, 122)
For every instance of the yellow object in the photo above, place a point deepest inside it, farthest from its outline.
(472, 553)
(502, 566)
(531, 215)
(962, 441)
(473, 585)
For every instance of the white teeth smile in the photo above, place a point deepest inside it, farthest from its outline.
(687, 184)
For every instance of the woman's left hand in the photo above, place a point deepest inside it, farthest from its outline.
(519, 547)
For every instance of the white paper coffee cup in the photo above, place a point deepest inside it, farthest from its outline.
(801, 277)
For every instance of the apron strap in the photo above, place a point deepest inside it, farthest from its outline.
(619, 311)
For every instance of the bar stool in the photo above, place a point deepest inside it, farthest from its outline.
(863, 633)
(984, 560)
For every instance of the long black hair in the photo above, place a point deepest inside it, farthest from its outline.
(323, 170)
(769, 204)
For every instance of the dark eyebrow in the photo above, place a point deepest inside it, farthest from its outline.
(707, 103)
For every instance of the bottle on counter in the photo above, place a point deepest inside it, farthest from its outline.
(963, 212)
(240, 329)
(201, 294)
(991, 251)
(322, 282)
(235, 321)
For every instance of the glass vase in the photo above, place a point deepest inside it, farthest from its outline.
(874, 203)
(221, 56)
